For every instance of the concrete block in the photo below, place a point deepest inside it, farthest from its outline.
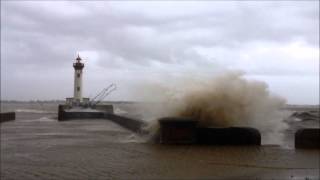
(61, 112)
(229, 136)
(177, 130)
(7, 116)
(185, 131)
(307, 138)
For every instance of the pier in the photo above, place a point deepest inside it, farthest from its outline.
(7, 116)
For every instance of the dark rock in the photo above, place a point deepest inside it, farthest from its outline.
(7, 116)
(61, 112)
(307, 138)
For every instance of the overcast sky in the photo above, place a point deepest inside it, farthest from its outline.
(129, 43)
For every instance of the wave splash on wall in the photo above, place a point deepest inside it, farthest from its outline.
(226, 100)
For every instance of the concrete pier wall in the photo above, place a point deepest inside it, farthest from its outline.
(82, 115)
(134, 125)
(307, 138)
(104, 112)
(7, 116)
(64, 114)
(176, 130)
(229, 136)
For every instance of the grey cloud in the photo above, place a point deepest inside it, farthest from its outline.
(105, 31)
(34, 38)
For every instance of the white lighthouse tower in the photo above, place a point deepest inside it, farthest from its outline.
(77, 93)
(79, 106)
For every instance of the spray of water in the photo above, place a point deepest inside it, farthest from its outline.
(226, 100)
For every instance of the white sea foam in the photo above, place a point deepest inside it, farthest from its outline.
(46, 119)
(120, 111)
(133, 138)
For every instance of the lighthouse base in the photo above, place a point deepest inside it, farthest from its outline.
(76, 102)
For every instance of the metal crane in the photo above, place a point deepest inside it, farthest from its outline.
(103, 94)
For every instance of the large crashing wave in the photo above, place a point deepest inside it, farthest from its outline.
(226, 100)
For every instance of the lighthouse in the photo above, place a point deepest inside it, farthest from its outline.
(77, 92)
(81, 107)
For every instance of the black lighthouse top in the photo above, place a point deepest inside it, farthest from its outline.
(78, 65)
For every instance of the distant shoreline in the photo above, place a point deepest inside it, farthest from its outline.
(63, 101)
(132, 102)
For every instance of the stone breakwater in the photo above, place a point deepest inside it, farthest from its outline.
(101, 112)
(179, 130)
(7, 116)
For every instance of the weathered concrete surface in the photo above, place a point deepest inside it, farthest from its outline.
(229, 136)
(177, 130)
(7, 116)
(181, 130)
(134, 125)
(307, 138)
(82, 115)
(64, 112)
(103, 112)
